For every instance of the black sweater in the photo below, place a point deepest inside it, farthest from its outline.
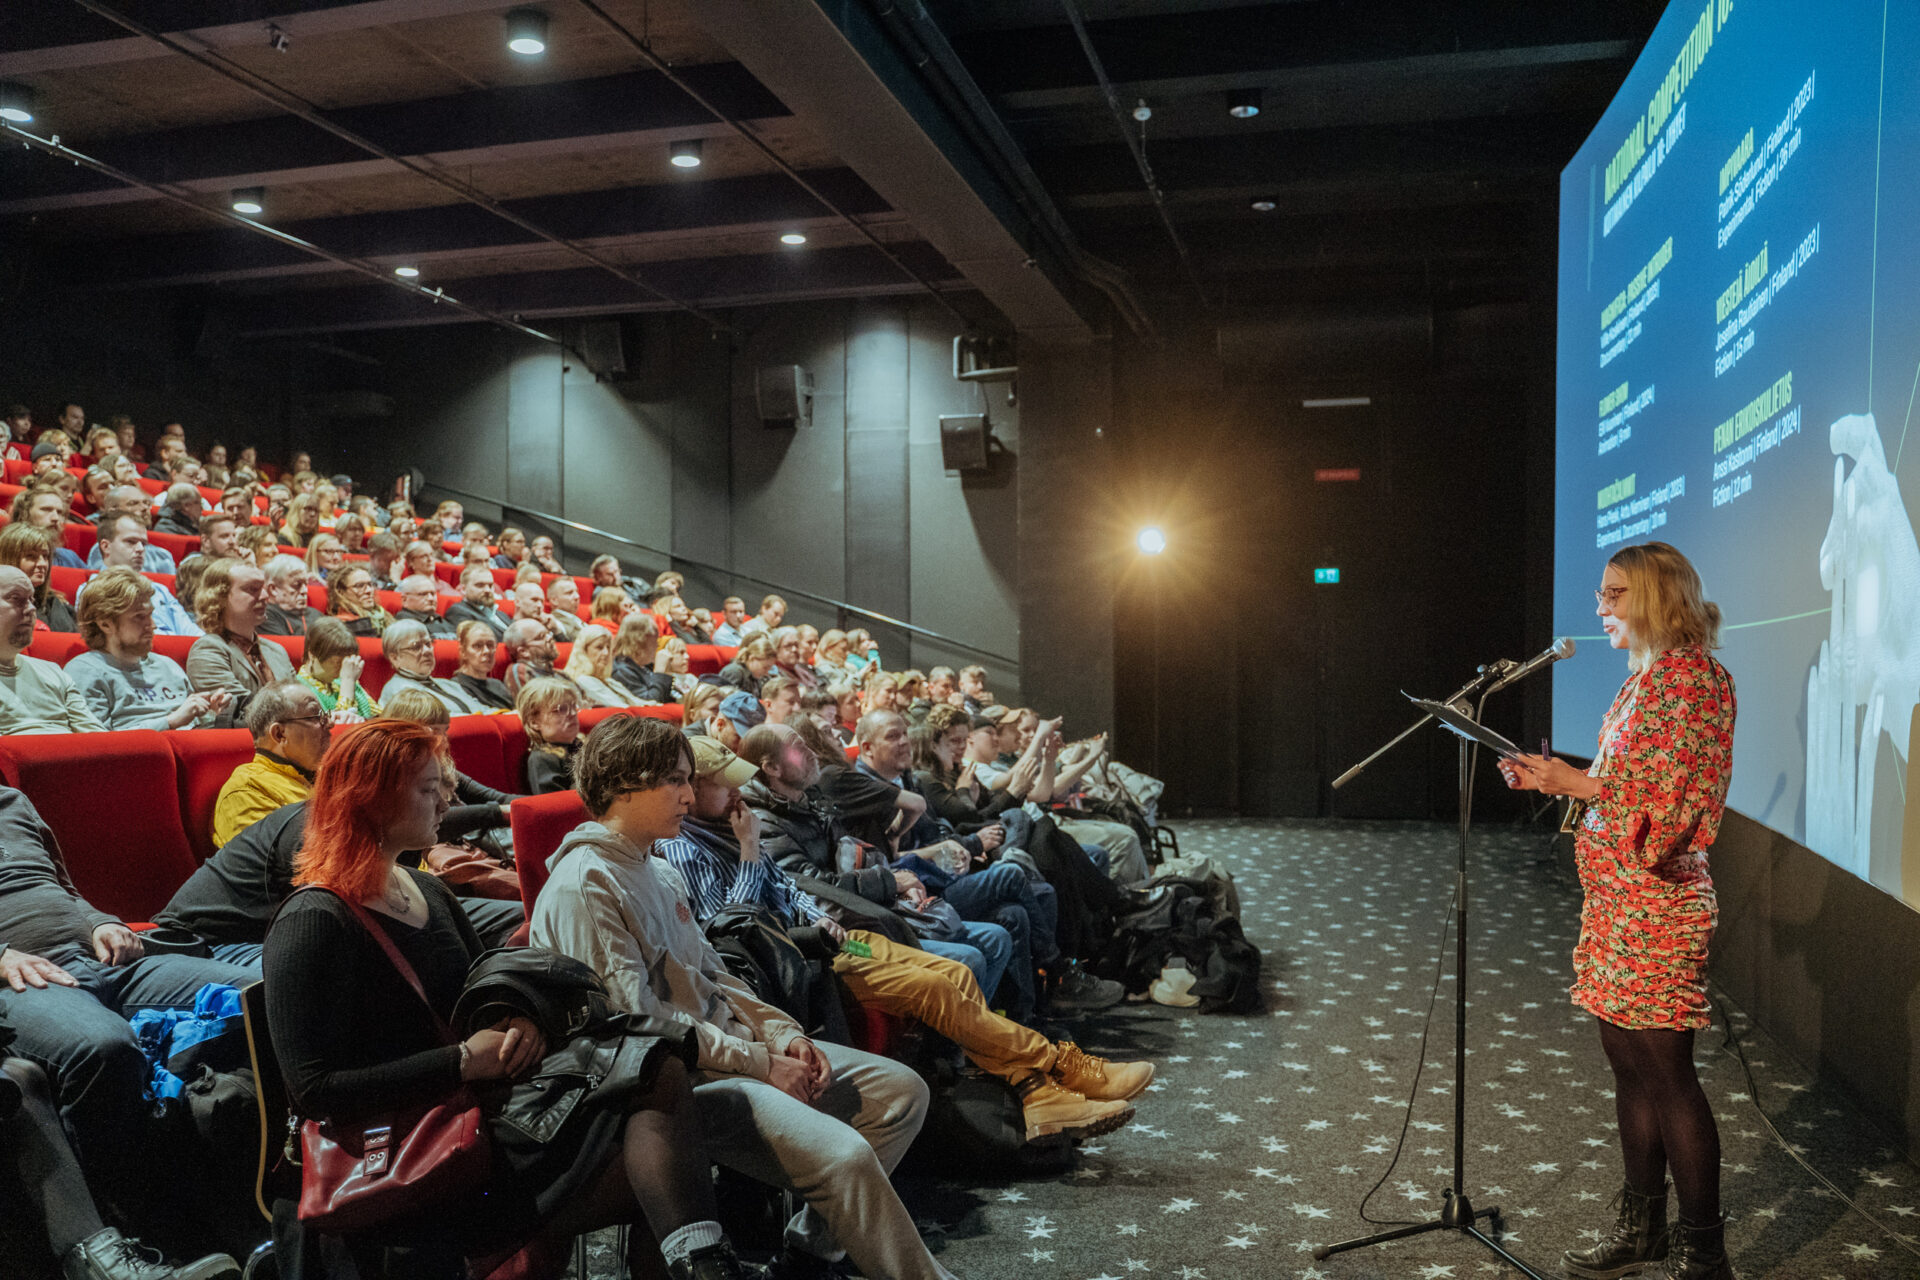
(954, 805)
(487, 692)
(352, 1037)
(548, 772)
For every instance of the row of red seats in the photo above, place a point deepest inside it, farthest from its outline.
(133, 810)
(61, 647)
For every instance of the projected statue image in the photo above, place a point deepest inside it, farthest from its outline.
(1867, 676)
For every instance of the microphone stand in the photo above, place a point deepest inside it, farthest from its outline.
(1457, 1212)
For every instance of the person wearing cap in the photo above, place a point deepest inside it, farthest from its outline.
(717, 854)
(48, 461)
(740, 712)
(344, 484)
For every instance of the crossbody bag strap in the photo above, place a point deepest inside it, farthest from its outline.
(394, 954)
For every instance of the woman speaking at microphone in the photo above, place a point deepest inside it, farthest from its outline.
(1643, 818)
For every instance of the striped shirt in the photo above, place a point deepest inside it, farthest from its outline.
(717, 877)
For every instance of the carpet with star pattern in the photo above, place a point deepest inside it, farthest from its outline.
(1261, 1134)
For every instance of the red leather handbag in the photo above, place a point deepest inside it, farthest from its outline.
(387, 1168)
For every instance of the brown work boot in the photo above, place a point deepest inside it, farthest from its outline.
(1082, 1072)
(1051, 1109)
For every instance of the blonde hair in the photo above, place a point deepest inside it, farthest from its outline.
(111, 593)
(1666, 607)
(701, 700)
(580, 662)
(609, 603)
(543, 694)
(638, 638)
(418, 706)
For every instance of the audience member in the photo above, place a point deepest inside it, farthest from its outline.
(611, 607)
(733, 611)
(685, 625)
(48, 459)
(290, 735)
(590, 666)
(530, 602)
(418, 596)
(846, 710)
(550, 713)
(46, 508)
(229, 606)
(476, 601)
(781, 697)
(513, 548)
(383, 551)
(700, 703)
(352, 601)
(750, 665)
(351, 530)
(863, 652)
(530, 655)
(409, 650)
(831, 664)
(123, 540)
(766, 1108)
(563, 615)
(332, 670)
(124, 682)
(788, 660)
(738, 714)
(353, 1038)
(475, 676)
(773, 611)
(417, 558)
(325, 555)
(180, 511)
(30, 550)
(129, 500)
(636, 659)
(543, 555)
(35, 696)
(973, 689)
(289, 612)
(259, 544)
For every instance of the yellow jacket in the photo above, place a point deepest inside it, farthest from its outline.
(255, 790)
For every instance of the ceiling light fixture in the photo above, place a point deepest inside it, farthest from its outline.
(16, 103)
(793, 237)
(1263, 204)
(685, 154)
(406, 273)
(527, 32)
(1151, 540)
(1243, 104)
(249, 200)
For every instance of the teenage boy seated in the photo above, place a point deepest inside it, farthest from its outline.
(718, 856)
(823, 1120)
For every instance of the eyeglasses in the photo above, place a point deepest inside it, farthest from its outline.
(318, 717)
(1609, 597)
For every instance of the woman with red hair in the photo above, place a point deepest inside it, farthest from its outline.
(355, 1040)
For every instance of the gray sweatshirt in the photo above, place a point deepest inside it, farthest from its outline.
(120, 696)
(37, 697)
(615, 907)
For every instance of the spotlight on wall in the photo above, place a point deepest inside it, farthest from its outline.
(16, 103)
(1263, 204)
(1151, 541)
(685, 154)
(407, 273)
(793, 237)
(1243, 104)
(527, 32)
(249, 200)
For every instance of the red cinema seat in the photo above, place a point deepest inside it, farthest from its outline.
(57, 647)
(872, 1030)
(174, 647)
(153, 488)
(177, 545)
(446, 656)
(317, 595)
(540, 823)
(203, 760)
(79, 537)
(704, 659)
(447, 573)
(475, 746)
(503, 578)
(18, 469)
(377, 670)
(67, 581)
(111, 801)
(390, 601)
(8, 492)
(853, 754)
(594, 715)
(513, 751)
(671, 712)
(296, 647)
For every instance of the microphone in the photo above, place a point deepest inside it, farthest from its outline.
(1561, 648)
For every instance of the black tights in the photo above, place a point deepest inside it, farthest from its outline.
(1665, 1120)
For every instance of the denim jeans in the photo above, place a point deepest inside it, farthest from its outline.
(1002, 895)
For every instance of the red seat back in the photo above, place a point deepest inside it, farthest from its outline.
(58, 647)
(296, 647)
(540, 823)
(378, 670)
(448, 573)
(17, 469)
(446, 657)
(475, 745)
(67, 581)
(174, 647)
(203, 760)
(317, 595)
(513, 751)
(177, 545)
(703, 659)
(152, 488)
(671, 712)
(80, 537)
(111, 800)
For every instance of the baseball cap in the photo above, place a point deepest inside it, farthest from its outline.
(711, 759)
(744, 710)
(982, 721)
(341, 481)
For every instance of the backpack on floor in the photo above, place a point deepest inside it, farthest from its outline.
(975, 1122)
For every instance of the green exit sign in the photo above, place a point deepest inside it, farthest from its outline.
(1324, 577)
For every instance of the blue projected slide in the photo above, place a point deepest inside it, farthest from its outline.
(1739, 356)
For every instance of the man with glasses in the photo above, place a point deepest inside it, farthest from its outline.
(288, 611)
(418, 598)
(410, 650)
(290, 735)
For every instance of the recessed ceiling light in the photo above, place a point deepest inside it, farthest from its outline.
(793, 237)
(1243, 104)
(16, 103)
(249, 200)
(1263, 204)
(685, 154)
(406, 273)
(527, 32)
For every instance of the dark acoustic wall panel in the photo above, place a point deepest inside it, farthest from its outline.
(878, 509)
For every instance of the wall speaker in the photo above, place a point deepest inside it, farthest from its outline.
(965, 439)
(784, 393)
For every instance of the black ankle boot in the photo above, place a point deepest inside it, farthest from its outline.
(1638, 1238)
(1699, 1253)
(715, 1262)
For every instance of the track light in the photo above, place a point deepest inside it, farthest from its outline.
(1151, 540)
(1243, 104)
(249, 200)
(16, 103)
(685, 154)
(1263, 204)
(793, 237)
(527, 31)
(406, 273)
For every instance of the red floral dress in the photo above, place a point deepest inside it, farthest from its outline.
(1666, 756)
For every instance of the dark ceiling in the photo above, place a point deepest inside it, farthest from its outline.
(1405, 149)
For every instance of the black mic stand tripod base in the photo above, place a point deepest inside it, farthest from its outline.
(1457, 1212)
